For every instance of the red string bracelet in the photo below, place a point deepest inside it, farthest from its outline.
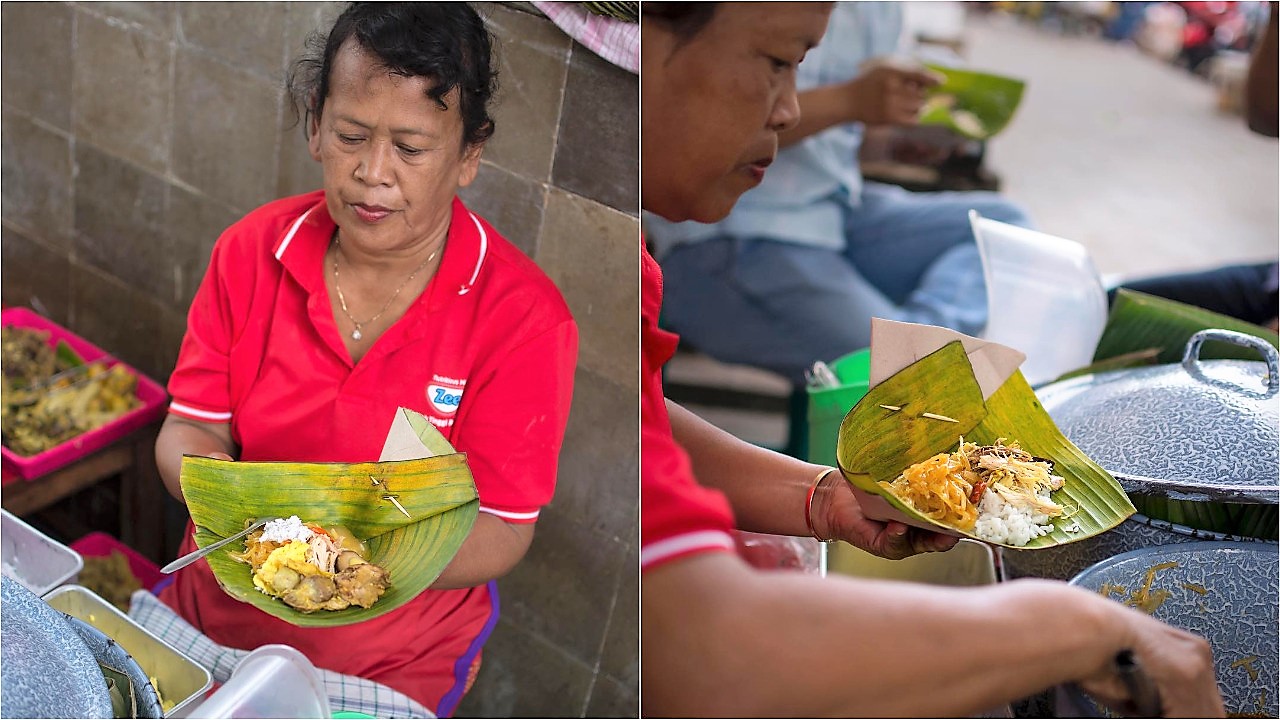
(808, 505)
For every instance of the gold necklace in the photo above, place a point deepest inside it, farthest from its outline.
(342, 301)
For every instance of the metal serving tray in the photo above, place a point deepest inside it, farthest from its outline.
(178, 678)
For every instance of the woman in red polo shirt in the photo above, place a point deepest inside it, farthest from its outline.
(722, 639)
(323, 313)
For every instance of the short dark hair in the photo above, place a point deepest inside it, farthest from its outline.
(445, 41)
(684, 19)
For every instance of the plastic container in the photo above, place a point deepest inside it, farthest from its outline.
(154, 400)
(100, 544)
(828, 406)
(179, 679)
(1044, 297)
(36, 561)
(274, 681)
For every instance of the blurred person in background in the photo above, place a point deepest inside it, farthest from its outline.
(1248, 291)
(796, 272)
(1260, 102)
(720, 638)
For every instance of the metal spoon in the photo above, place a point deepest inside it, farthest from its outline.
(191, 557)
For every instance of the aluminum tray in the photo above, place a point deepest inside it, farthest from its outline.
(178, 678)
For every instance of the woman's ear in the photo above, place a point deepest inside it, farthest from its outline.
(470, 163)
(313, 135)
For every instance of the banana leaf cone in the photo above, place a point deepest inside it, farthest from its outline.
(438, 494)
(876, 443)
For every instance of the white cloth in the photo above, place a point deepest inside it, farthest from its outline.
(614, 40)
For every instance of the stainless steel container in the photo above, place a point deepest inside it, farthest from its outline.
(1194, 444)
(38, 562)
(181, 681)
(1224, 592)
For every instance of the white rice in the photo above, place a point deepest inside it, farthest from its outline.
(1002, 522)
(290, 528)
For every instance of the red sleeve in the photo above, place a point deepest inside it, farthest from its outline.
(200, 383)
(515, 422)
(678, 517)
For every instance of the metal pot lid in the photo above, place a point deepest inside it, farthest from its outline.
(1199, 430)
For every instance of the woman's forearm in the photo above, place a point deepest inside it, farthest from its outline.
(804, 646)
(766, 489)
(180, 437)
(489, 552)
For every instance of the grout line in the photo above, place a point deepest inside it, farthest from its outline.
(75, 172)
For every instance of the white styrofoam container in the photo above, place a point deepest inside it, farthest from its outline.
(34, 559)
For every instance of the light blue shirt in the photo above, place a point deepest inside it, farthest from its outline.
(806, 191)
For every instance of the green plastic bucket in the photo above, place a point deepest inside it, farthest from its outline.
(829, 405)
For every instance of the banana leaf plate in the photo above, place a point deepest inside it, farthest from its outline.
(876, 443)
(974, 104)
(437, 493)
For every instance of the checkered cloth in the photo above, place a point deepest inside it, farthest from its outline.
(347, 693)
(612, 39)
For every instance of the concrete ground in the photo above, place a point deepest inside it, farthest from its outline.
(1115, 149)
(1127, 154)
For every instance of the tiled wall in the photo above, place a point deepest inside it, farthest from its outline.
(134, 132)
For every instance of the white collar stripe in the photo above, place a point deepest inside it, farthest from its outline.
(484, 250)
(507, 515)
(292, 230)
(680, 544)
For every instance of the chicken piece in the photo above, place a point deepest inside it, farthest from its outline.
(362, 583)
(311, 593)
(337, 602)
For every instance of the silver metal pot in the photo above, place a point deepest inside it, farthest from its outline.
(1194, 444)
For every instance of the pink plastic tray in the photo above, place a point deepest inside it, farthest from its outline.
(100, 544)
(154, 401)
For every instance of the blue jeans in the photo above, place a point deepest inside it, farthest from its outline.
(781, 306)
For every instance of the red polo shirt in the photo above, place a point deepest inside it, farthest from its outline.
(486, 353)
(678, 516)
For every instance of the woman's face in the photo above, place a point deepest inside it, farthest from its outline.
(392, 159)
(712, 107)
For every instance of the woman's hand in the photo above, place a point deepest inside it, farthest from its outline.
(837, 515)
(888, 94)
(1179, 663)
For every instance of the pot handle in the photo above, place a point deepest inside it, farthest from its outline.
(1191, 356)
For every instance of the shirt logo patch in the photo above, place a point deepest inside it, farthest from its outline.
(445, 395)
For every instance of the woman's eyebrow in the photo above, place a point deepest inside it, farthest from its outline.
(394, 131)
